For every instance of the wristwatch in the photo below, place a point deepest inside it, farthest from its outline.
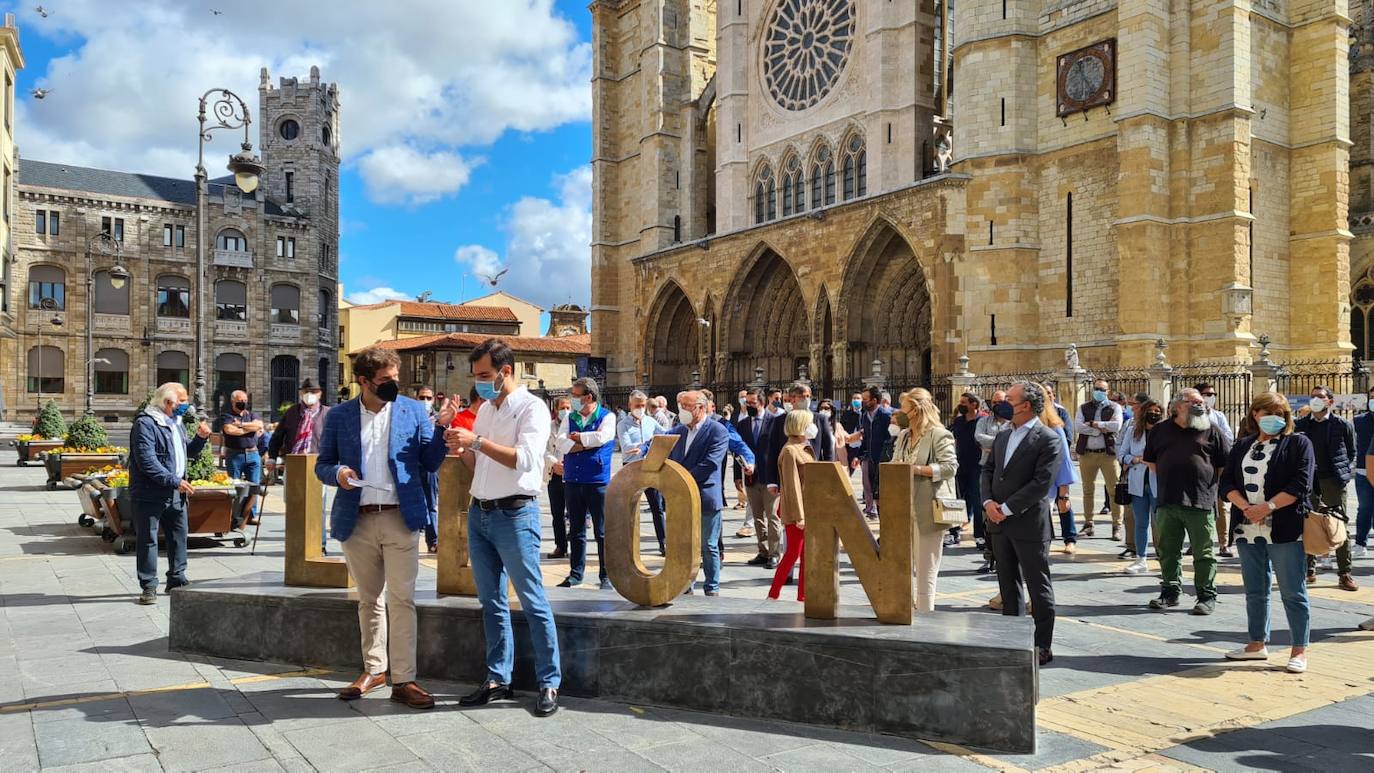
(477, 444)
(1272, 508)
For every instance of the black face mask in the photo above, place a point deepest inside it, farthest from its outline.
(388, 391)
(1153, 418)
(963, 409)
(241, 405)
(753, 411)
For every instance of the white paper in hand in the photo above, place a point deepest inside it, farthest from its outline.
(360, 483)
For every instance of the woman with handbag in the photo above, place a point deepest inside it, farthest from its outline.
(794, 454)
(928, 447)
(1268, 481)
(1141, 481)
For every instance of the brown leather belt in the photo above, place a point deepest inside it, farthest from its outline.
(377, 508)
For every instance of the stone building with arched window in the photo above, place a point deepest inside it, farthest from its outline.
(779, 183)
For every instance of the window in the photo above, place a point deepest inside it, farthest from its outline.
(167, 235)
(793, 188)
(528, 368)
(1068, 255)
(46, 368)
(114, 226)
(289, 129)
(326, 300)
(54, 223)
(286, 374)
(112, 372)
(325, 135)
(108, 298)
(231, 301)
(286, 304)
(47, 282)
(286, 247)
(7, 195)
(181, 237)
(822, 178)
(855, 169)
(290, 187)
(40, 222)
(765, 203)
(173, 366)
(231, 372)
(173, 298)
(232, 241)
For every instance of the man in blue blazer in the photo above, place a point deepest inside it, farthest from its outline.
(702, 451)
(378, 448)
(874, 423)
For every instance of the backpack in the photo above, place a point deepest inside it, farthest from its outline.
(1324, 529)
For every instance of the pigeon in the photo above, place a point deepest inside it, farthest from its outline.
(41, 93)
(41, 11)
(493, 279)
(217, 13)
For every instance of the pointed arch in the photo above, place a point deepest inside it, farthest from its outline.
(793, 184)
(823, 371)
(769, 324)
(886, 308)
(854, 150)
(821, 173)
(765, 193)
(671, 342)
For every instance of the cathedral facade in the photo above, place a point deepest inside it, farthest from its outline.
(836, 184)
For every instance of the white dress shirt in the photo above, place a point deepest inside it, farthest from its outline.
(375, 439)
(692, 435)
(521, 422)
(603, 434)
(178, 449)
(1108, 420)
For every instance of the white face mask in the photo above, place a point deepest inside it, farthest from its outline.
(638, 413)
(1317, 404)
(811, 432)
(563, 414)
(741, 402)
(309, 398)
(685, 416)
(825, 414)
(1211, 401)
(893, 429)
(786, 407)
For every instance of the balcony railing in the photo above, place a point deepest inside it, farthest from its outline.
(324, 337)
(280, 333)
(174, 325)
(231, 329)
(111, 323)
(234, 258)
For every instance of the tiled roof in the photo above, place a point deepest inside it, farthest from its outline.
(578, 345)
(456, 311)
(43, 174)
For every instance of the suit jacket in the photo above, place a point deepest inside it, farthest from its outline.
(151, 457)
(750, 429)
(1022, 483)
(704, 460)
(414, 450)
(822, 446)
(876, 436)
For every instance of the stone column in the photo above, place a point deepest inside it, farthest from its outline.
(963, 380)
(1264, 374)
(1161, 386)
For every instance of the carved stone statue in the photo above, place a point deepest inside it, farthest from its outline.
(1071, 357)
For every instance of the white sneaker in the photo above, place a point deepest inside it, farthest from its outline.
(1137, 566)
(1297, 664)
(1326, 562)
(1358, 551)
(1242, 654)
(1367, 625)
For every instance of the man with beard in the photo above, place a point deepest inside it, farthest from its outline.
(1187, 455)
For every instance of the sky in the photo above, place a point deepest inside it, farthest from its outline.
(464, 124)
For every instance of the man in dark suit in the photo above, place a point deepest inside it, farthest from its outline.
(1016, 482)
(874, 425)
(750, 424)
(702, 450)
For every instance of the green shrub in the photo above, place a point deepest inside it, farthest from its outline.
(203, 466)
(50, 423)
(87, 433)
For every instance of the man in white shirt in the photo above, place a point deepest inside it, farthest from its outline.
(505, 449)
(1099, 422)
(632, 434)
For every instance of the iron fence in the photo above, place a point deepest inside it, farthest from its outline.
(1232, 382)
(1297, 378)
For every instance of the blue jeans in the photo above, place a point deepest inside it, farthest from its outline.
(170, 512)
(1364, 516)
(582, 499)
(1290, 566)
(710, 551)
(1068, 530)
(1142, 506)
(501, 544)
(245, 465)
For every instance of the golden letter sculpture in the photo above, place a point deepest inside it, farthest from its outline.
(305, 563)
(682, 527)
(455, 567)
(833, 516)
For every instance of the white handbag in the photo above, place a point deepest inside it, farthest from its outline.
(945, 510)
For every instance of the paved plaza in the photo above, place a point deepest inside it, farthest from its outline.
(90, 685)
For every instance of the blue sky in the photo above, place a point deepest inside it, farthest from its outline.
(465, 123)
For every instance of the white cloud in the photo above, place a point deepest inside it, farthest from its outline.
(548, 250)
(376, 295)
(424, 77)
(400, 174)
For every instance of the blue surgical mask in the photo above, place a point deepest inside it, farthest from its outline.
(856, 404)
(1272, 425)
(181, 409)
(1099, 395)
(488, 390)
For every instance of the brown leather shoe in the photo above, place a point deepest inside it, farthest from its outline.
(1348, 583)
(412, 695)
(364, 685)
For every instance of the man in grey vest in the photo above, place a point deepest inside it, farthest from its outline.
(1099, 421)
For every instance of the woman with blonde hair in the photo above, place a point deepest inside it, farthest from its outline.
(795, 453)
(928, 448)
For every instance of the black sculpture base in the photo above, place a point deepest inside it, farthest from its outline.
(955, 677)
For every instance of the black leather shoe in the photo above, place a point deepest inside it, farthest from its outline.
(1044, 655)
(547, 703)
(559, 553)
(759, 560)
(1164, 602)
(772, 563)
(568, 583)
(491, 691)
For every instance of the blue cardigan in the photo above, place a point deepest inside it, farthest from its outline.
(414, 450)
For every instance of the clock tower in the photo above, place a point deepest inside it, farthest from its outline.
(567, 319)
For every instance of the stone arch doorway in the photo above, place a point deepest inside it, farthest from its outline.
(886, 310)
(769, 326)
(672, 343)
(824, 371)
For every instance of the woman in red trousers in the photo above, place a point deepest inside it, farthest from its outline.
(799, 428)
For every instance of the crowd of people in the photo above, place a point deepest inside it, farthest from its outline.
(1177, 483)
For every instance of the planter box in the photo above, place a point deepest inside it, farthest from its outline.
(211, 511)
(62, 466)
(30, 449)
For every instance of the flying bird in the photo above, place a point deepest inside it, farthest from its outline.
(41, 11)
(217, 13)
(41, 93)
(493, 279)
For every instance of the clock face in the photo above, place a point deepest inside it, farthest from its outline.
(1086, 78)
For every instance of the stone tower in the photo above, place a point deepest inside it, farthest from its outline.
(298, 133)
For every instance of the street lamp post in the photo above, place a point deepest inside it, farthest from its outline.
(228, 111)
(107, 246)
(47, 304)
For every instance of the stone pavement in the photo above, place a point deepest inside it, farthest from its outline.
(89, 684)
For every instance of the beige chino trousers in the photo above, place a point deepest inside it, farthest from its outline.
(384, 555)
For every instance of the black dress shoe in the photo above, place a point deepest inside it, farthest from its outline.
(547, 703)
(559, 553)
(759, 560)
(1044, 655)
(488, 692)
(772, 563)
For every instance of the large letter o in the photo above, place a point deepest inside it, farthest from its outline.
(682, 538)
